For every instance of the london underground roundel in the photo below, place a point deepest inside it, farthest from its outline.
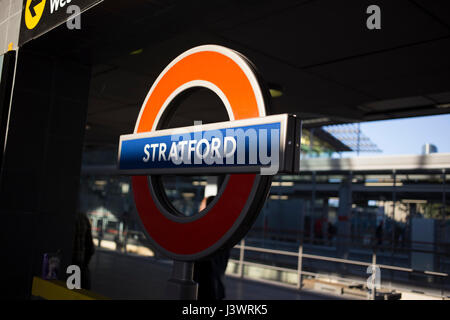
(241, 196)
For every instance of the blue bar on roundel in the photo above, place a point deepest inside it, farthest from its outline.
(234, 149)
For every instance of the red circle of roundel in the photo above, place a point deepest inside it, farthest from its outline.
(228, 72)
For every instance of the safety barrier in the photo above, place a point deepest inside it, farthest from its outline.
(300, 272)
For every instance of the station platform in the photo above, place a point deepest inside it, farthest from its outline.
(126, 276)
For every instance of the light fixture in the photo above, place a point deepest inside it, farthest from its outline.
(100, 183)
(125, 187)
(199, 183)
(278, 197)
(138, 51)
(383, 184)
(275, 90)
(188, 195)
(414, 201)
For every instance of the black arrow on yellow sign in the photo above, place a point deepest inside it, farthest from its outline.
(33, 4)
(34, 9)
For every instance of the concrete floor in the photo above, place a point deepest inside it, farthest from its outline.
(119, 276)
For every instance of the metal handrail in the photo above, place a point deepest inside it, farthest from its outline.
(251, 248)
(300, 255)
(256, 264)
(317, 257)
(393, 248)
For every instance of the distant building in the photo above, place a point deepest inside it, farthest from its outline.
(429, 148)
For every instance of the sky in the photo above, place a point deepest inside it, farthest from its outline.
(407, 136)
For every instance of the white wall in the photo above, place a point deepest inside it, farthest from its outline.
(10, 16)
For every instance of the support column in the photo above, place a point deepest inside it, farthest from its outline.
(41, 164)
(344, 215)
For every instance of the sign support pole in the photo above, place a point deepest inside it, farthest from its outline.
(181, 285)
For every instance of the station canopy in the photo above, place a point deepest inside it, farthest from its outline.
(319, 56)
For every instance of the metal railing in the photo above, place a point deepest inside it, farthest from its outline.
(300, 272)
(354, 240)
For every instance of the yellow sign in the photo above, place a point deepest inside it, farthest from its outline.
(33, 12)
